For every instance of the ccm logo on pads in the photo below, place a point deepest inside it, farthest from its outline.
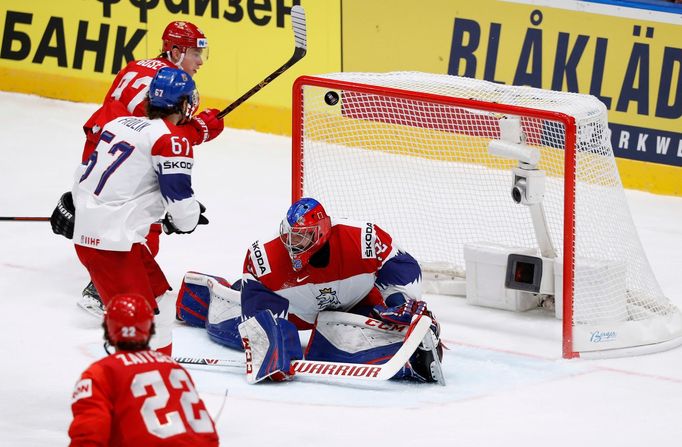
(384, 326)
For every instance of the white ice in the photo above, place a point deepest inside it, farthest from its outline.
(507, 385)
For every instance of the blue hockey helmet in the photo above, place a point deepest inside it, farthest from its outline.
(304, 230)
(170, 87)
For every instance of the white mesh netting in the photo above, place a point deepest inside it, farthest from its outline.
(419, 167)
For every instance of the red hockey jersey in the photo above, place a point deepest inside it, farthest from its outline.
(127, 96)
(140, 398)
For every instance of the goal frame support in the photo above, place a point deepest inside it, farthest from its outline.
(569, 165)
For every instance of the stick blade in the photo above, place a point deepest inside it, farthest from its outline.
(299, 26)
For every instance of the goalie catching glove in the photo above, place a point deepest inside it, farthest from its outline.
(400, 310)
(63, 217)
(170, 228)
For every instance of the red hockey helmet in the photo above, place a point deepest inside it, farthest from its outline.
(128, 318)
(304, 230)
(183, 35)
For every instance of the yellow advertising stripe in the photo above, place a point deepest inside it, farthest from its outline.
(430, 144)
(652, 177)
(53, 85)
(269, 119)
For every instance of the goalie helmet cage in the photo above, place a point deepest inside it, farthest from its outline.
(410, 152)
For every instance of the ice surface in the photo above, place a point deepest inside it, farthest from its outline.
(507, 385)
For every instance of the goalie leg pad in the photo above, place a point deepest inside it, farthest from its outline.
(351, 338)
(224, 315)
(270, 344)
(194, 298)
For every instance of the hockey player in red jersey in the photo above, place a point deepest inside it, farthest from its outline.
(137, 396)
(184, 46)
(139, 173)
(319, 274)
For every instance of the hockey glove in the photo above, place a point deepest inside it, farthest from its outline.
(208, 124)
(170, 228)
(63, 217)
(400, 314)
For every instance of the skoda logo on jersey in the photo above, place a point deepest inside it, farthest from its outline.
(327, 299)
(259, 258)
(368, 241)
(177, 165)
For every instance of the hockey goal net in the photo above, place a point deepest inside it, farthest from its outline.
(411, 151)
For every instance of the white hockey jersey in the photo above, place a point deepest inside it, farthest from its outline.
(140, 170)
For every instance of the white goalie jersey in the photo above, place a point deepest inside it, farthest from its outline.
(140, 170)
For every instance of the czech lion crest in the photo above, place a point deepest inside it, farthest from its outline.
(327, 299)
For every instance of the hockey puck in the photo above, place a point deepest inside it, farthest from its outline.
(331, 98)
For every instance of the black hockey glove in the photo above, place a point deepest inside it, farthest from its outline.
(170, 228)
(64, 216)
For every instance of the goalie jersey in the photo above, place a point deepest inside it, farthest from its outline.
(140, 169)
(361, 265)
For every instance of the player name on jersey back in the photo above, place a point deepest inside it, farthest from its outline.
(137, 124)
(142, 357)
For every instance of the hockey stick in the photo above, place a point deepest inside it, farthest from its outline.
(24, 219)
(210, 362)
(301, 47)
(337, 370)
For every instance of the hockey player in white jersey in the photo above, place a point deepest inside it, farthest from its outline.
(139, 173)
(347, 281)
(184, 46)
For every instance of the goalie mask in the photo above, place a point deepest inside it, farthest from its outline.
(128, 318)
(305, 230)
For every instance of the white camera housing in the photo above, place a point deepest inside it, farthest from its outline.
(528, 186)
(512, 143)
(528, 155)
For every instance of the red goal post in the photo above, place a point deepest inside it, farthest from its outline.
(412, 151)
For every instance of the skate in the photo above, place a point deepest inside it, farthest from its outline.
(91, 301)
